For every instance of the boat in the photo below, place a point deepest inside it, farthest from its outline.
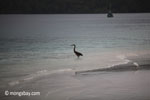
(110, 14)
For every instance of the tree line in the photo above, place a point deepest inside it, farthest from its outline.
(72, 6)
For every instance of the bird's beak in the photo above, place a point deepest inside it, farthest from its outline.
(71, 45)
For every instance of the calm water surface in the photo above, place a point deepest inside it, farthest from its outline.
(37, 46)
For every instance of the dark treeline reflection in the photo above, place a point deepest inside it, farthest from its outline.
(72, 6)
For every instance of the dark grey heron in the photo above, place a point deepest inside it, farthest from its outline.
(78, 54)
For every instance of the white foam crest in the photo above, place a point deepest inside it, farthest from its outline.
(13, 83)
(46, 72)
(136, 64)
(124, 59)
(121, 56)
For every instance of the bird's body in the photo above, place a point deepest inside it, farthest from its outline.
(78, 54)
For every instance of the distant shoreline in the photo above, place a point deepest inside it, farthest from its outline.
(67, 13)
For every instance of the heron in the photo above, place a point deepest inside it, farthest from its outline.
(78, 54)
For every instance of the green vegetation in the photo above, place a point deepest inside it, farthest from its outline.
(71, 6)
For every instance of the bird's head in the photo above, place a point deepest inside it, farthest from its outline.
(73, 45)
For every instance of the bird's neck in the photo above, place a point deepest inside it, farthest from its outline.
(74, 49)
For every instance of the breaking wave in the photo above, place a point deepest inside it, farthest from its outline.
(127, 65)
(122, 67)
(39, 74)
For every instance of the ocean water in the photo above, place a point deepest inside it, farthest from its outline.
(35, 55)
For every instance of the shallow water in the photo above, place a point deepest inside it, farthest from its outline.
(35, 50)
